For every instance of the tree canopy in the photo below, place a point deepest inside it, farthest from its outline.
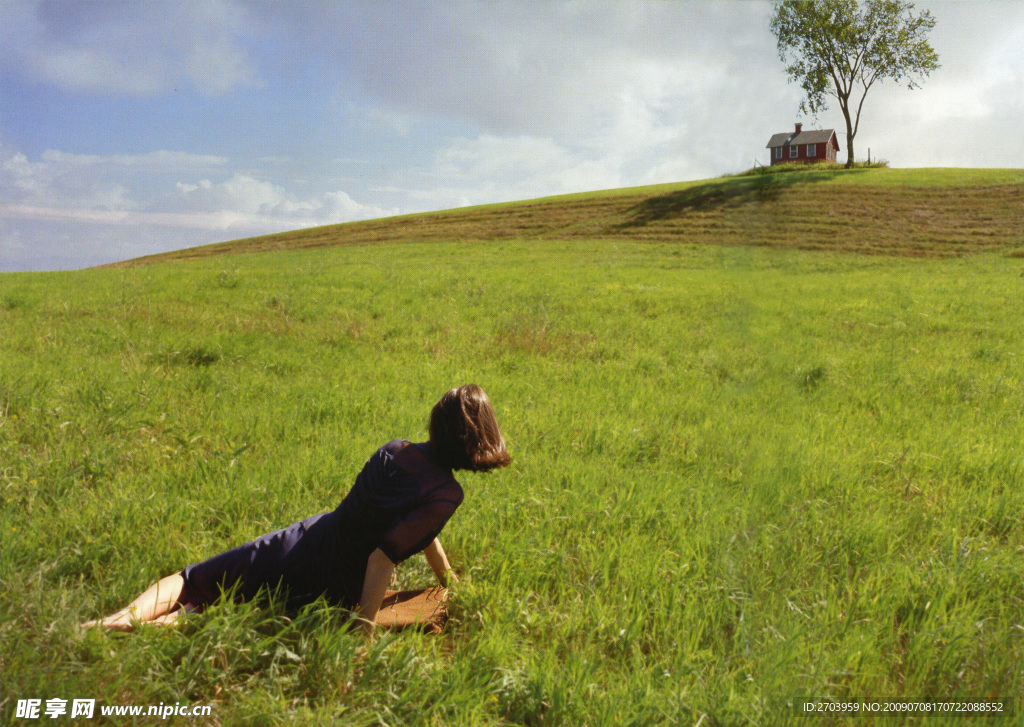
(840, 49)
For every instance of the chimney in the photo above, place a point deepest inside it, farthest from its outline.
(798, 128)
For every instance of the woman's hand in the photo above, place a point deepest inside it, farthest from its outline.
(439, 563)
(379, 570)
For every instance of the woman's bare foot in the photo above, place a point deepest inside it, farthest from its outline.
(116, 624)
(154, 605)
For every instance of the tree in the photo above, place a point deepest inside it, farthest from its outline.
(839, 48)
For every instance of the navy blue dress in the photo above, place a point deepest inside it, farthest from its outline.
(399, 503)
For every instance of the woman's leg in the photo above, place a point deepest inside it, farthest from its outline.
(169, 618)
(157, 601)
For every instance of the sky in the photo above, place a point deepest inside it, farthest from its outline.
(129, 128)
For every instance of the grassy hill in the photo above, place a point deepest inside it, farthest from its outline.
(917, 212)
(746, 477)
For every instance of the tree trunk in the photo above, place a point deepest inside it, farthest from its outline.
(845, 105)
(849, 140)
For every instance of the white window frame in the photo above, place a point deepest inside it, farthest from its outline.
(794, 151)
(778, 152)
(812, 150)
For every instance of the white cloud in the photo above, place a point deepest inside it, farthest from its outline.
(54, 182)
(492, 168)
(89, 181)
(25, 177)
(216, 65)
(133, 48)
(155, 160)
(240, 202)
(527, 68)
(69, 210)
(967, 112)
(240, 193)
(568, 96)
(258, 203)
(376, 117)
(218, 220)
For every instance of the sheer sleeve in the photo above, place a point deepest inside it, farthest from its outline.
(416, 530)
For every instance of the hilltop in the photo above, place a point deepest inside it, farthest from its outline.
(905, 212)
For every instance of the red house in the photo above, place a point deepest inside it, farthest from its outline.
(804, 146)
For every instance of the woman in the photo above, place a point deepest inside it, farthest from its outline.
(398, 505)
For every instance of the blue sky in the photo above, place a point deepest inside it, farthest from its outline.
(128, 128)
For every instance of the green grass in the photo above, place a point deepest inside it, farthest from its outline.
(744, 478)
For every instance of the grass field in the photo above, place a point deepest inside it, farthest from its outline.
(745, 477)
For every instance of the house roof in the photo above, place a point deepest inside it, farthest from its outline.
(788, 138)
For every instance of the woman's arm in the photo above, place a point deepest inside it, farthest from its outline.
(439, 563)
(379, 570)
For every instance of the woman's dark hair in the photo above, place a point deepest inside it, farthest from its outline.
(464, 432)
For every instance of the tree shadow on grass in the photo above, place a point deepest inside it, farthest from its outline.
(735, 192)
